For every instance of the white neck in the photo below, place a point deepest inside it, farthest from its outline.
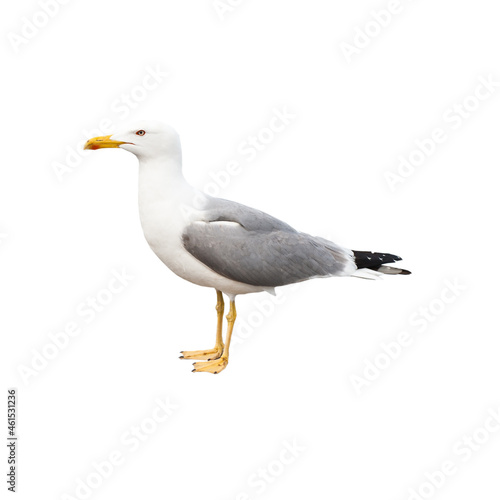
(164, 192)
(160, 178)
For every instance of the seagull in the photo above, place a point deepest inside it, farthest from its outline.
(217, 243)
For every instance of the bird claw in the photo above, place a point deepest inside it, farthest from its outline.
(207, 354)
(214, 367)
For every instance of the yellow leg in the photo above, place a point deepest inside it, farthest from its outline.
(218, 365)
(216, 352)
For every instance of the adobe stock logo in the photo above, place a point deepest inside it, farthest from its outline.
(131, 440)
(249, 149)
(419, 322)
(453, 118)
(121, 107)
(462, 451)
(365, 34)
(31, 27)
(223, 7)
(86, 313)
(266, 476)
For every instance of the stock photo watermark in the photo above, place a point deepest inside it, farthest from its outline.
(259, 481)
(130, 441)
(12, 454)
(86, 311)
(453, 118)
(419, 322)
(366, 33)
(223, 7)
(462, 451)
(248, 150)
(121, 108)
(263, 308)
(32, 25)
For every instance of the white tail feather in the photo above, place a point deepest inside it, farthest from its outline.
(367, 274)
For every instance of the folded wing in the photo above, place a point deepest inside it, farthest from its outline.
(249, 246)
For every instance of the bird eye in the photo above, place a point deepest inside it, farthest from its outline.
(140, 132)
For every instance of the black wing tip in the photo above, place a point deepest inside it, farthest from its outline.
(372, 260)
(376, 261)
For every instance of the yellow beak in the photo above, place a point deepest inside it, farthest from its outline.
(102, 142)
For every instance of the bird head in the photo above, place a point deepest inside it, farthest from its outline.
(144, 139)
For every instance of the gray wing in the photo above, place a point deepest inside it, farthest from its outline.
(249, 246)
(219, 210)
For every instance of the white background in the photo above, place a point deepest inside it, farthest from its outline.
(292, 378)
